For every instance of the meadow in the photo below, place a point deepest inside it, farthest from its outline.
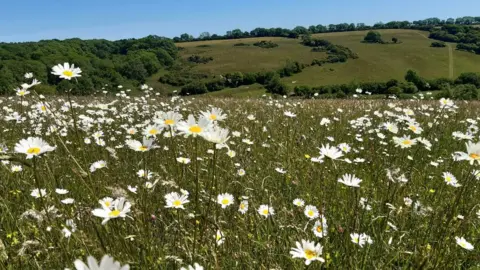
(376, 62)
(208, 183)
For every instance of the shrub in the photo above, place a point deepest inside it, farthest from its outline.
(199, 59)
(292, 67)
(265, 44)
(194, 88)
(373, 37)
(469, 78)
(240, 44)
(302, 90)
(465, 92)
(215, 85)
(438, 44)
(409, 88)
(319, 49)
(275, 86)
(395, 90)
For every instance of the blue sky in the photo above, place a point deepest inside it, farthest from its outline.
(31, 20)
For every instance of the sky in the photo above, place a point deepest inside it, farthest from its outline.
(33, 20)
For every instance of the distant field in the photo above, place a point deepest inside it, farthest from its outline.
(376, 62)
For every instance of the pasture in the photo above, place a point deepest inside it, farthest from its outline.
(162, 183)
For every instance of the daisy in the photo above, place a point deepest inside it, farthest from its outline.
(219, 238)
(21, 92)
(280, 170)
(144, 146)
(215, 114)
(307, 250)
(61, 191)
(225, 199)
(143, 174)
(330, 152)
(311, 212)
(107, 263)
(28, 75)
(391, 127)
(415, 128)
(168, 119)
(404, 142)
(68, 201)
(183, 160)
(446, 103)
(191, 127)
(472, 155)
(265, 210)
(33, 146)
(231, 153)
(344, 147)
(152, 130)
(120, 208)
(16, 168)
(361, 239)
(241, 172)
(38, 193)
(450, 179)
(299, 202)
(463, 243)
(320, 228)
(66, 71)
(350, 180)
(217, 135)
(98, 165)
(106, 202)
(289, 114)
(175, 200)
(243, 207)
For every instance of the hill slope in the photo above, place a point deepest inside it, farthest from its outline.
(376, 62)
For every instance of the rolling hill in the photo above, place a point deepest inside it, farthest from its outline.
(376, 62)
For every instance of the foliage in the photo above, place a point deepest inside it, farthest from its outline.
(275, 86)
(199, 59)
(128, 61)
(265, 44)
(465, 92)
(373, 37)
(438, 44)
(195, 88)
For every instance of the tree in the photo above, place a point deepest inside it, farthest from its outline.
(465, 92)
(186, 37)
(204, 36)
(275, 86)
(450, 21)
(373, 37)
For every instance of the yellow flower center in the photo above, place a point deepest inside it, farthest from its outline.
(142, 148)
(242, 206)
(33, 150)
(474, 156)
(153, 131)
(319, 229)
(413, 128)
(131, 131)
(107, 204)
(177, 203)
(68, 73)
(195, 129)
(448, 179)
(407, 142)
(310, 213)
(310, 254)
(213, 117)
(463, 244)
(169, 122)
(43, 108)
(225, 201)
(265, 211)
(114, 213)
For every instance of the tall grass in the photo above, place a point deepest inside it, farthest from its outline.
(403, 203)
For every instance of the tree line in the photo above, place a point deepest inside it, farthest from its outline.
(127, 62)
(468, 38)
(426, 24)
(465, 87)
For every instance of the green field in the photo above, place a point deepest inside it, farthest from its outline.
(376, 62)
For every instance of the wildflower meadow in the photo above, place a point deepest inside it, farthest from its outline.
(132, 180)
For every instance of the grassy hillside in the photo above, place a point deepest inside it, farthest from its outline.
(376, 62)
